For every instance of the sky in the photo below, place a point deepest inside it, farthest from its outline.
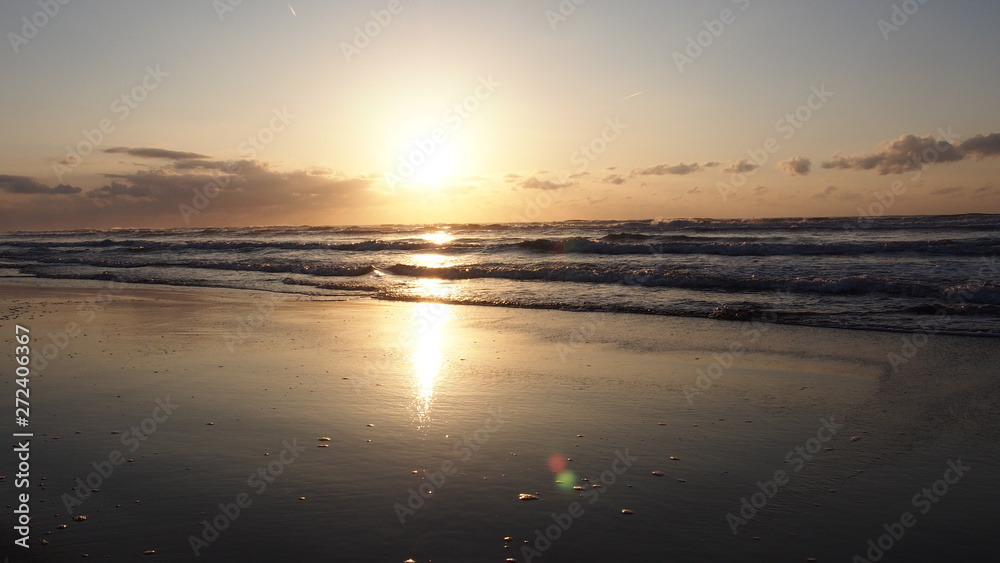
(253, 112)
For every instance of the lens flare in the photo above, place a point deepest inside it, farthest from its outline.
(565, 480)
(564, 477)
(557, 463)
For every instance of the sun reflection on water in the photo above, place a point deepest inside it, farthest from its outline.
(440, 237)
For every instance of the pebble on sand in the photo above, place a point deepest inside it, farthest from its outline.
(658, 473)
(526, 496)
(324, 439)
(80, 518)
(149, 552)
(627, 511)
(675, 458)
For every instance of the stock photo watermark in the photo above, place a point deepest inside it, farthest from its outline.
(32, 26)
(426, 316)
(103, 469)
(223, 7)
(248, 149)
(247, 324)
(924, 500)
(562, 522)
(582, 157)
(798, 457)
(899, 17)
(911, 344)
(435, 480)
(714, 28)
(430, 147)
(919, 161)
(723, 361)
(258, 481)
(787, 125)
(366, 33)
(564, 10)
(122, 107)
(578, 336)
(59, 340)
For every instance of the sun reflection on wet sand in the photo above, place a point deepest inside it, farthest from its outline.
(428, 357)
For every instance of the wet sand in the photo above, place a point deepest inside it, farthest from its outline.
(439, 417)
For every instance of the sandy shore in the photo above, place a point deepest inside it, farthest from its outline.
(201, 417)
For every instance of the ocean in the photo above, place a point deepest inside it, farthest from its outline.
(931, 274)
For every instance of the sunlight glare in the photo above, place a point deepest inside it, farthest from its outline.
(427, 357)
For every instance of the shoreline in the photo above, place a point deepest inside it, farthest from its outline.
(403, 389)
(37, 282)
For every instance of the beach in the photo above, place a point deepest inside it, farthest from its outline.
(500, 282)
(225, 425)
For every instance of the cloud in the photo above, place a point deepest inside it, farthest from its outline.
(760, 190)
(833, 192)
(694, 190)
(26, 185)
(947, 190)
(827, 192)
(508, 178)
(146, 152)
(680, 169)
(247, 192)
(741, 166)
(534, 183)
(796, 166)
(985, 191)
(615, 179)
(904, 154)
(981, 146)
(116, 189)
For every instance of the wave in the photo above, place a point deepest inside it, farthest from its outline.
(986, 293)
(375, 245)
(577, 245)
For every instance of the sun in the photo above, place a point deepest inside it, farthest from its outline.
(435, 171)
